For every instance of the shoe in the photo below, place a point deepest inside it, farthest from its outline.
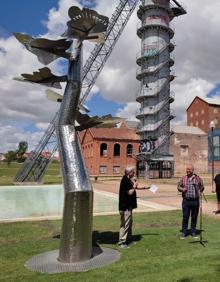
(132, 243)
(217, 212)
(124, 246)
(183, 236)
(194, 236)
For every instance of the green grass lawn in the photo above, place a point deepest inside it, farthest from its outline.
(7, 173)
(159, 254)
(211, 197)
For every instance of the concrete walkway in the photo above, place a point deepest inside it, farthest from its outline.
(166, 197)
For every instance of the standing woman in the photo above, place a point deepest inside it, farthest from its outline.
(217, 191)
(127, 202)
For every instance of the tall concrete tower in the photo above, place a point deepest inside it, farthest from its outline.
(154, 62)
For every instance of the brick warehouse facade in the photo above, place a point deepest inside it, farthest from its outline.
(202, 111)
(107, 151)
(189, 145)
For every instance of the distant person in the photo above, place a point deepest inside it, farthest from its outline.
(216, 190)
(191, 185)
(127, 202)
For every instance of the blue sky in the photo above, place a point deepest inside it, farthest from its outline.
(25, 16)
(25, 110)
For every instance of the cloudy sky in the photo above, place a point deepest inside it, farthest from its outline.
(25, 111)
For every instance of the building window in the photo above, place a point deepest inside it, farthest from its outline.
(91, 150)
(103, 149)
(197, 113)
(215, 111)
(117, 150)
(129, 150)
(197, 123)
(202, 121)
(184, 150)
(103, 169)
(202, 112)
(116, 169)
(88, 150)
(191, 115)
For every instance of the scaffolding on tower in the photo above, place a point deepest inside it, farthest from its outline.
(154, 74)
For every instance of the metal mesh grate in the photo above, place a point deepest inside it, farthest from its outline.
(48, 263)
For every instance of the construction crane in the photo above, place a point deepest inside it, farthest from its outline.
(34, 168)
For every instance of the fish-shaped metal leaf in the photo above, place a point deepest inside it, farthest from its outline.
(45, 77)
(86, 24)
(46, 50)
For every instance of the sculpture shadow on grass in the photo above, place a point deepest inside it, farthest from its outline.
(105, 237)
(110, 237)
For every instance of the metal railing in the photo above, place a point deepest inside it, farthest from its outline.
(141, 27)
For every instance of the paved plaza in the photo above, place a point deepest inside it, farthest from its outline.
(166, 197)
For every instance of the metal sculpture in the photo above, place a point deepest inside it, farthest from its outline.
(85, 24)
(76, 236)
(35, 166)
(44, 76)
(46, 50)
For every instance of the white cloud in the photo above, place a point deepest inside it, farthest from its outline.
(129, 111)
(11, 136)
(196, 56)
(196, 67)
(184, 95)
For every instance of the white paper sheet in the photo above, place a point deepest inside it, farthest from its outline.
(153, 188)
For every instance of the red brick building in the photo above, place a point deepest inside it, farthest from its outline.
(202, 111)
(188, 145)
(107, 151)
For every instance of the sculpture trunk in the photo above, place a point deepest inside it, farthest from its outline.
(76, 235)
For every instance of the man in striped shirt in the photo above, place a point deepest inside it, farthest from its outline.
(191, 185)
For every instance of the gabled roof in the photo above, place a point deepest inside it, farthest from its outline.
(213, 101)
(210, 101)
(114, 133)
(128, 124)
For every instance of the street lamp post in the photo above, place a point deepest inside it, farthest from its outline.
(212, 126)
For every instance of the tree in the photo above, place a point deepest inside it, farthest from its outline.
(22, 148)
(10, 156)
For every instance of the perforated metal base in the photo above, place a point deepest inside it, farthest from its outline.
(48, 263)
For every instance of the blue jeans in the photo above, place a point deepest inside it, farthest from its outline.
(190, 207)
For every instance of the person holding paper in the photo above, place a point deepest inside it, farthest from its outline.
(191, 185)
(127, 202)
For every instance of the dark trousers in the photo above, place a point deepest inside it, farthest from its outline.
(190, 208)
